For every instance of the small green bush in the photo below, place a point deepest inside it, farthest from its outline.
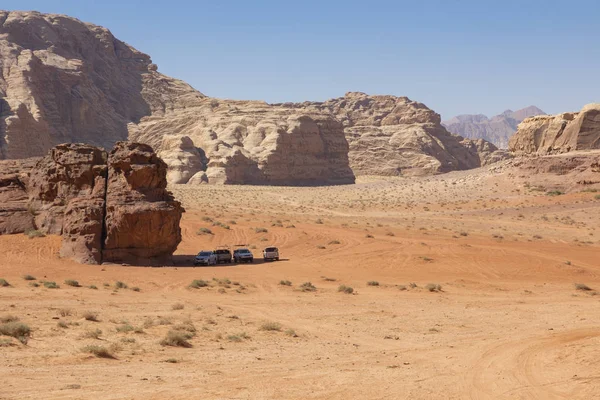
(72, 282)
(16, 329)
(198, 283)
(51, 285)
(176, 339)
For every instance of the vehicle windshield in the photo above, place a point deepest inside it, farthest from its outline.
(204, 253)
(242, 251)
(271, 249)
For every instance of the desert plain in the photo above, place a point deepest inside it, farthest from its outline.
(463, 287)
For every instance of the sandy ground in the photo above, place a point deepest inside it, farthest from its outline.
(508, 322)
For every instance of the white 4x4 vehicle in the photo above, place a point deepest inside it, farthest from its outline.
(271, 254)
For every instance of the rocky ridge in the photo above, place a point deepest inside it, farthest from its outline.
(553, 134)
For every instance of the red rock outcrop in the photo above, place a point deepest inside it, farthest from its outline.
(107, 208)
(142, 217)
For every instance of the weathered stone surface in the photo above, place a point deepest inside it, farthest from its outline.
(69, 171)
(112, 209)
(497, 129)
(183, 159)
(560, 133)
(486, 151)
(142, 217)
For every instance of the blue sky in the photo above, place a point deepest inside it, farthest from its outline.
(457, 57)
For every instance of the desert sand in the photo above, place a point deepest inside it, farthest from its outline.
(508, 322)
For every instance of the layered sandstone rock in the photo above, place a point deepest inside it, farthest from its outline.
(560, 133)
(113, 209)
(390, 135)
(142, 217)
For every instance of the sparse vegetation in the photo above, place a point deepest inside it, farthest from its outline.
(582, 286)
(285, 283)
(90, 316)
(125, 328)
(554, 193)
(319, 221)
(334, 242)
(260, 230)
(177, 306)
(121, 285)
(50, 285)
(369, 236)
(308, 287)
(92, 334)
(204, 231)
(433, 287)
(29, 277)
(345, 289)
(34, 233)
(270, 326)
(12, 327)
(65, 312)
(4, 283)
(98, 351)
(94, 287)
(177, 339)
(372, 283)
(72, 282)
(198, 283)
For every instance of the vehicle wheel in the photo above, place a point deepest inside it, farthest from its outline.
(276, 258)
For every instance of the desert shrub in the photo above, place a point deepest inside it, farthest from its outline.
(176, 339)
(136, 289)
(335, 242)
(433, 287)
(4, 283)
(171, 360)
(207, 219)
(345, 289)
(582, 286)
(186, 326)
(162, 321)
(127, 340)
(291, 332)
(291, 226)
(390, 234)
(16, 329)
(285, 283)
(413, 285)
(319, 221)
(90, 316)
(92, 334)
(62, 324)
(98, 351)
(65, 312)
(260, 230)
(34, 233)
(177, 306)
(326, 279)
(8, 318)
(308, 287)
(321, 247)
(204, 231)
(554, 193)
(401, 287)
(369, 236)
(121, 285)
(270, 326)
(34, 284)
(597, 197)
(51, 285)
(94, 287)
(372, 283)
(125, 328)
(72, 282)
(464, 234)
(198, 283)
(29, 277)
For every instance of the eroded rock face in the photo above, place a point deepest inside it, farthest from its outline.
(560, 133)
(142, 217)
(107, 208)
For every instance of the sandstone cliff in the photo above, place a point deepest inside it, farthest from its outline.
(497, 129)
(112, 208)
(560, 133)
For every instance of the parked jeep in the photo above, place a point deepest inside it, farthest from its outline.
(271, 254)
(223, 255)
(243, 255)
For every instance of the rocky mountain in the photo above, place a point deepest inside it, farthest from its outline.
(107, 207)
(552, 134)
(497, 129)
(65, 81)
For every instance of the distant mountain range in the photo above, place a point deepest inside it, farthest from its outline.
(497, 129)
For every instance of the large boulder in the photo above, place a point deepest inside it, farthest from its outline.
(107, 208)
(142, 217)
(553, 134)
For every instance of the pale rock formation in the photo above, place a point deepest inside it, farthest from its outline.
(560, 133)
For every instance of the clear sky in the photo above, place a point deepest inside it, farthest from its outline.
(458, 57)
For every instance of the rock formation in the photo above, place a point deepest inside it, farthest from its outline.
(107, 208)
(391, 135)
(497, 129)
(560, 133)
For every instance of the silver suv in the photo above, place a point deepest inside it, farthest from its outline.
(243, 255)
(271, 254)
(205, 258)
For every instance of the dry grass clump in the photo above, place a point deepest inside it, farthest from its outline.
(177, 306)
(92, 334)
(270, 326)
(345, 289)
(308, 287)
(260, 230)
(121, 285)
(238, 337)
(4, 283)
(372, 283)
(198, 283)
(124, 328)
(204, 231)
(34, 233)
(65, 312)
(177, 339)
(72, 282)
(334, 242)
(583, 287)
(433, 287)
(29, 277)
(11, 326)
(50, 285)
(285, 283)
(98, 351)
(90, 316)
